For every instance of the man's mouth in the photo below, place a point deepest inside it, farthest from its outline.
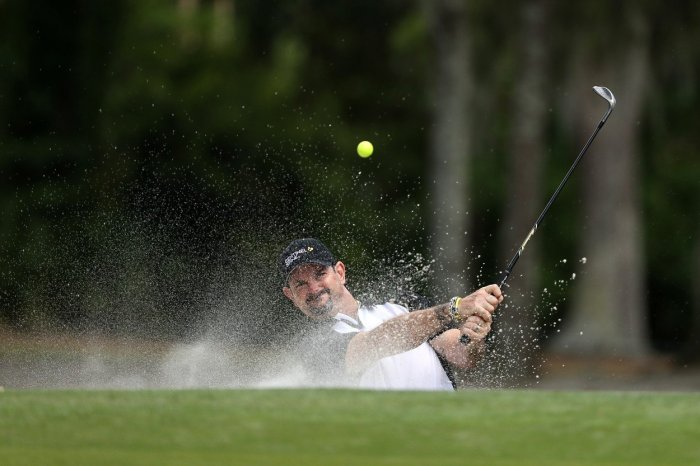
(315, 297)
(319, 309)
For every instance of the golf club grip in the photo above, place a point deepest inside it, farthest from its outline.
(504, 278)
(465, 340)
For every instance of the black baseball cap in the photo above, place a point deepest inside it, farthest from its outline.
(303, 251)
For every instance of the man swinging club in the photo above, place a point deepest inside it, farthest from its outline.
(386, 346)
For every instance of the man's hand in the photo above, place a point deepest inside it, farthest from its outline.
(476, 309)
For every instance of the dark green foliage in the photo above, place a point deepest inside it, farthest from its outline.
(154, 158)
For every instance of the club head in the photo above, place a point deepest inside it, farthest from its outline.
(605, 93)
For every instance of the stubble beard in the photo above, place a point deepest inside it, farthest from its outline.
(322, 309)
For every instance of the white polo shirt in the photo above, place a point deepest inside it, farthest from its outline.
(416, 369)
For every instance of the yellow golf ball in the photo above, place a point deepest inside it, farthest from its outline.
(365, 149)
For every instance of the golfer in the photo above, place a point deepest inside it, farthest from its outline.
(384, 346)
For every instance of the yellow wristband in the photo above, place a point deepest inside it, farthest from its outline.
(454, 309)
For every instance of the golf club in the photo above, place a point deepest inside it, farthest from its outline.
(605, 93)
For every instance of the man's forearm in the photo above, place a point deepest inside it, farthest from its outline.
(474, 352)
(397, 335)
(461, 355)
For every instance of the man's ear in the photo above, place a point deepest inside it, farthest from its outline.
(287, 292)
(340, 270)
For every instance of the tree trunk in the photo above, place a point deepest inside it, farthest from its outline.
(187, 10)
(691, 352)
(524, 195)
(608, 314)
(222, 26)
(449, 144)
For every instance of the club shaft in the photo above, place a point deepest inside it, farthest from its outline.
(610, 98)
(518, 253)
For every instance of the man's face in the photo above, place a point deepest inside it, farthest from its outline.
(313, 288)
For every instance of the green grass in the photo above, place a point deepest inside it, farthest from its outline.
(324, 427)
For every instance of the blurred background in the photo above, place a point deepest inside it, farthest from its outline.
(156, 156)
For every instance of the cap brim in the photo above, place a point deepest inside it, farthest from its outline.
(317, 261)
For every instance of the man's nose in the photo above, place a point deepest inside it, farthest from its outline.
(315, 286)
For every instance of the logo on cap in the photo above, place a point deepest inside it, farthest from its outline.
(295, 255)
